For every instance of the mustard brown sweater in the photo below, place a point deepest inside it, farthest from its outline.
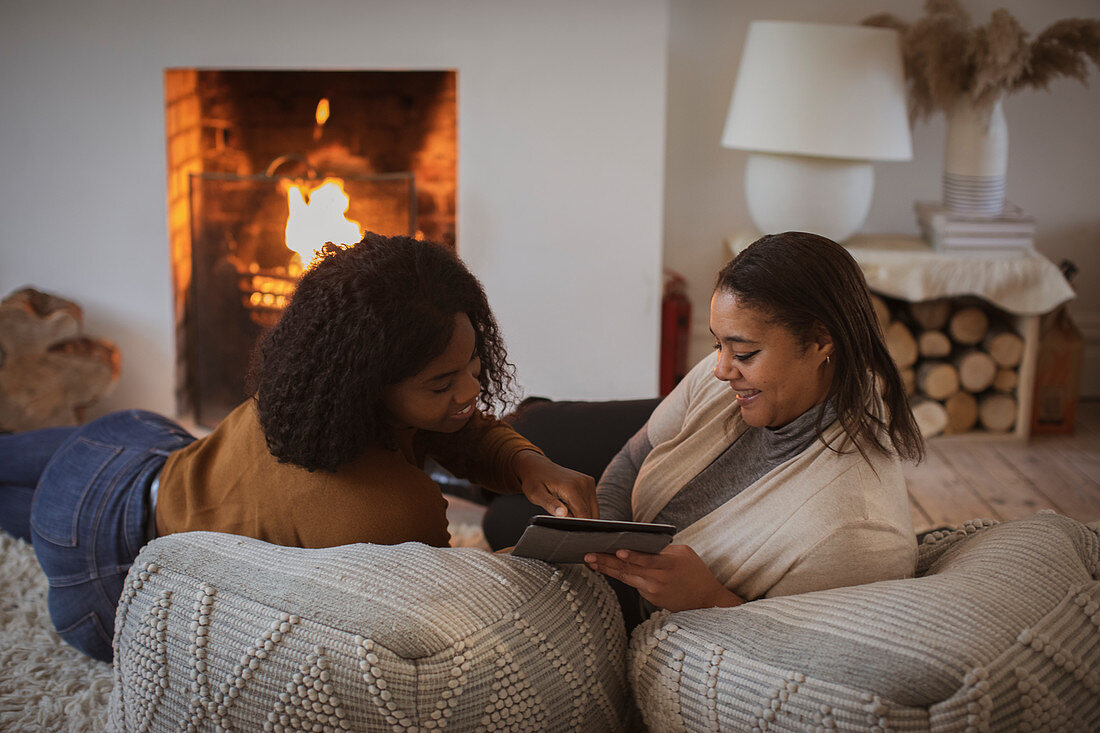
(229, 482)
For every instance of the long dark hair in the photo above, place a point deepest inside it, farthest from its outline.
(807, 282)
(363, 318)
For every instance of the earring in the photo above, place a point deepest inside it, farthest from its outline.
(827, 358)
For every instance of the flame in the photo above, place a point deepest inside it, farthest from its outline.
(320, 219)
(322, 111)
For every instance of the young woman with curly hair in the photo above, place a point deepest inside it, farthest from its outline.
(387, 354)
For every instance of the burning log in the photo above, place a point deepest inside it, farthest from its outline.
(49, 373)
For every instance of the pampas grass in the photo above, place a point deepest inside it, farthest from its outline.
(947, 58)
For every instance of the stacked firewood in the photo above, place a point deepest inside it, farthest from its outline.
(959, 359)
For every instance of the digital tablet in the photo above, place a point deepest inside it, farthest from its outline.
(568, 539)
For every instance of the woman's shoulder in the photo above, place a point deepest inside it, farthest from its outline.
(850, 488)
(836, 460)
(237, 436)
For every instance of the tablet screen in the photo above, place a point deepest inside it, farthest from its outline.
(568, 539)
(600, 525)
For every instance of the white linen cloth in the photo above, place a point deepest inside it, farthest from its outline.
(908, 268)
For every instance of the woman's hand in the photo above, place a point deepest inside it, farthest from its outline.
(677, 579)
(560, 491)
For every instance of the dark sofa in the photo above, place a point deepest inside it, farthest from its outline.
(582, 435)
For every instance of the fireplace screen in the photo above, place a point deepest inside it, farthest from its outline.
(265, 166)
(251, 238)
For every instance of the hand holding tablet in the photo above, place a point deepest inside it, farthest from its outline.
(569, 539)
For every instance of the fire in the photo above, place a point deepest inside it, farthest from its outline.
(318, 216)
(321, 115)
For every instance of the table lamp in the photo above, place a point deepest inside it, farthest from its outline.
(814, 104)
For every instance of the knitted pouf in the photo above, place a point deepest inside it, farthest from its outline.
(1000, 632)
(219, 632)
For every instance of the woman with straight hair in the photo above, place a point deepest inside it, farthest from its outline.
(778, 460)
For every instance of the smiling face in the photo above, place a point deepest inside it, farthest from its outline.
(774, 375)
(441, 396)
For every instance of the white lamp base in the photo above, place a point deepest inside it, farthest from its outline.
(826, 196)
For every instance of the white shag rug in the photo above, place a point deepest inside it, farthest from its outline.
(47, 685)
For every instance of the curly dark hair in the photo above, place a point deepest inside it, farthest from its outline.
(361, 319)
(806, 282)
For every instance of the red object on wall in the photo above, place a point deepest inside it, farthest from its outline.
(675, 330)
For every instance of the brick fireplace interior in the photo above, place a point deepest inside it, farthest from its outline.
(238, 142)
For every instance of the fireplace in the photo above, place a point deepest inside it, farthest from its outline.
(266, 166)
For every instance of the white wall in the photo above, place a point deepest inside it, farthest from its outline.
(1054, 150)
(561, 155)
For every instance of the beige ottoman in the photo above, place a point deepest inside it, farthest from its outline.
(1001, 632)
(219, 632)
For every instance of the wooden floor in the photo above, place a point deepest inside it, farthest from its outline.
(962, 479)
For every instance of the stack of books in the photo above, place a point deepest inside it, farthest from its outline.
(1010, 232)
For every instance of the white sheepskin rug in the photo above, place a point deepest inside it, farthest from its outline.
(45, 684)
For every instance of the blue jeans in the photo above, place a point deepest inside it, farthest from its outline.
(88, 512)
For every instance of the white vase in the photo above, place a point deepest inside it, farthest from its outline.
(975, 159)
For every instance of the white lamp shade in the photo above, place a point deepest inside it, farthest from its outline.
(816, 89)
